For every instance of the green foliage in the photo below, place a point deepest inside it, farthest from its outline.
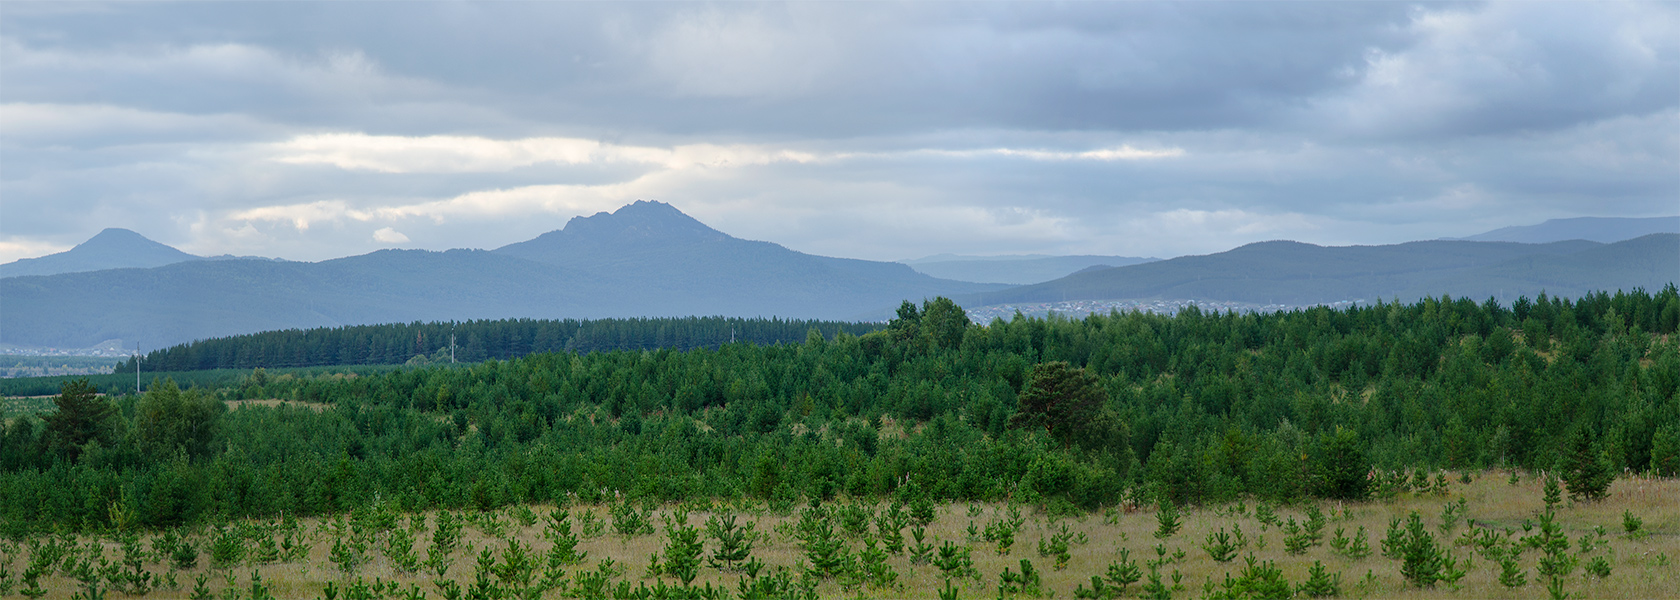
(1511, 572)
(1342, 471)
(1552, 494)
(1587, 470)
(562, 550)
(478, 341)
(1202, 408)
(1632, 525)
(1598, 567)
(167, 419)
(183, 553)
(1556, 562)
(889, 527)
(1422, 563)
(201, 588)
(955, 562)
(1066, 402)
(446, 539)
(1002, 531)
(921, 552)
(1025, 583)
(1220, 546)
(682, 549)
(349, 555)
(629, 521)
(1123, 572)
(1320, 582)
(826, 555)
(1296, 540)
(81, 416)
(399, 549)
(734, 541)
(1058, 546)
(1358, 548)
(227, 547)
(1451, 514)
(1258, 579)
(1167, 521)
(874, 568)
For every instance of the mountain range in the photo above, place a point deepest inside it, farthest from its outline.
(650, 259)
(1017, 269)
(1293, 273)
(646, 259)
(1604, 230)
(113, 248)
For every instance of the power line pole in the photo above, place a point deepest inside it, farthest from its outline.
(136, 367)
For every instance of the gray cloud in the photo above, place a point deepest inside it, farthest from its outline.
(870, 130)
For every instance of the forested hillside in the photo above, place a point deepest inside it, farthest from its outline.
(1193, 408)
(476, 341)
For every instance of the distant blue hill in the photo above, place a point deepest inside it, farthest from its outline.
(111, 249)
(1016, 269)
(1604, 230)
(1293, 273)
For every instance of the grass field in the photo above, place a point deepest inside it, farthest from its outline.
(1641, 564)
(123, 383)
(11, 407)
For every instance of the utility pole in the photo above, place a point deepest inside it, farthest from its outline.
(452, 347)
(136, 367)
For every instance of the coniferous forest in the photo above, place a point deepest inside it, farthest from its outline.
(1068, 416)
(475, 341)
(1197, 407)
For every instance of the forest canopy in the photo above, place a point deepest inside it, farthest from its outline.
(474, 341)
(1191, 408)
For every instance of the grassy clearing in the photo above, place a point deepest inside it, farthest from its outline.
(12, 407)
(1641, 564)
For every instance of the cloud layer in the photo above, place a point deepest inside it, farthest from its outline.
(877, 131)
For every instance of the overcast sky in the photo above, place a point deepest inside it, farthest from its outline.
(884, 131)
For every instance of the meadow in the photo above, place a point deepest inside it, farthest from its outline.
(1439, 449)
(1478, 535)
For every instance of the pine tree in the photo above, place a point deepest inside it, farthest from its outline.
(1586, 470)
(80, 418)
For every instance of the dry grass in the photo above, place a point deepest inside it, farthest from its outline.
(276, 402)
(1643, 566)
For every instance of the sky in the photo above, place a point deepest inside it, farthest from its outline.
(887, 131)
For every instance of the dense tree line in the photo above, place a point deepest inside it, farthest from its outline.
(474, 341)
(124, 383)
(1195, 407)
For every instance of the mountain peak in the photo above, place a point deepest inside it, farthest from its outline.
(640, 226)
(117, 237)
(643, 220)
(112, 248)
